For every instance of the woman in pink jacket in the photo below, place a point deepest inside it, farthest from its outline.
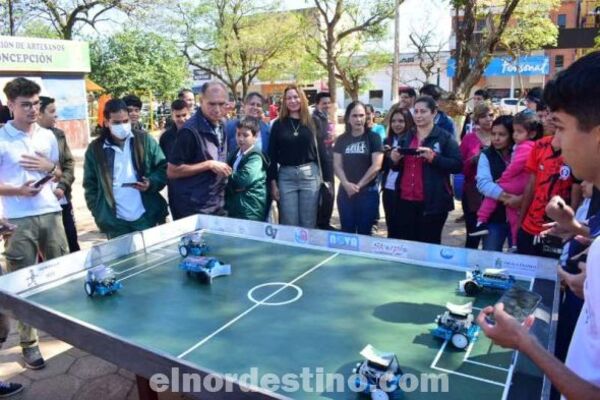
(470, 147)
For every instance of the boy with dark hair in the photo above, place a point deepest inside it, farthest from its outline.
(134, 109)
(123, 173)
(188, 97)
(574, 98)
(62, 189)
(534, 97)
(29, 153)
(441, 119)
(407, 97)
(179, 114)
(246, 193)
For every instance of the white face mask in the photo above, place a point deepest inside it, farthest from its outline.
(121, 131)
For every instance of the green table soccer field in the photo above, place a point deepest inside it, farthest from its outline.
(291, 309)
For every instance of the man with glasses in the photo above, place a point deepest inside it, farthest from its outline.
(253, 107)
(197, 168)
(29, 153)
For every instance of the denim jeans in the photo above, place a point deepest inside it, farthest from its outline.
(299, 195)
(498, 234)
(358, 212)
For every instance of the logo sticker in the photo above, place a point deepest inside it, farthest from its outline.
(301, 235)
(343, 241)
(392, 249)
(565, 172)
(271, 232)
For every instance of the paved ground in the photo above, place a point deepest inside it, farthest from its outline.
(73, 374)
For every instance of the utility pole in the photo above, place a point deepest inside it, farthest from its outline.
(396, 65)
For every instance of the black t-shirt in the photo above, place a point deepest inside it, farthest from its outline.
(167, 141)
(356, 154)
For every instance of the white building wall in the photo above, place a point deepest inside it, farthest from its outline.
(410, 75)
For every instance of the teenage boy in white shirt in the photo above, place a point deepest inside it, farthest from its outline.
(28, 153)
(574, 98)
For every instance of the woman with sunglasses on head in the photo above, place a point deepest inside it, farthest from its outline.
(295, 153)
(470, 147)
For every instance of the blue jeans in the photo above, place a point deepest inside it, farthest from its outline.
(499, 232)
(358, 212)
(299, 195)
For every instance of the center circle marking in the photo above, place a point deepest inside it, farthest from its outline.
(283, 286)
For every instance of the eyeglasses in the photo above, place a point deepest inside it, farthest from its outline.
(28, 105)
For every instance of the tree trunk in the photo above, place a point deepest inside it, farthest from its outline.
(11, 18)
(331, 80)
(245, 85)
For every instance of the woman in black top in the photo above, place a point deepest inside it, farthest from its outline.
(357, 158)
(399, 121)
(293, 173)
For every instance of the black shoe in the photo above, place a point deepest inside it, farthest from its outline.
(480, 230)
(33, 358)
(7, 389)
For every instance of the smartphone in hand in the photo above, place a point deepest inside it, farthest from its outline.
(518, 302)
(40, 182)
(129, 184)
(407, 151)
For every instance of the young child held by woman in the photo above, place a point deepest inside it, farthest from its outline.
(527, 129)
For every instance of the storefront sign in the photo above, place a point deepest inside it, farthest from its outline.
(507, 66)
(43, 55)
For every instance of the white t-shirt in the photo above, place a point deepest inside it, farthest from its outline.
(584, 352)
(128, 201)
(13, 145)
(390, 182)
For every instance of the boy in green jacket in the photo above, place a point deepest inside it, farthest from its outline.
(246, 193)
(123, 173)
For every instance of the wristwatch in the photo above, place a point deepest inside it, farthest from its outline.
(53, 170)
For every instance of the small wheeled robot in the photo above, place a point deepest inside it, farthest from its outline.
(490, 278)
(101, 280)
(378, 374)
(192, 245)
(456, 325)
(204, 268)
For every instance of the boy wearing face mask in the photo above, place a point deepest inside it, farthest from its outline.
(123, 173)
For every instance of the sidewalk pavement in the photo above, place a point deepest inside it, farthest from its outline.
(72, 374)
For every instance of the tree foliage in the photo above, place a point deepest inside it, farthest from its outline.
(65, 18)
(427, 50)
(531, 27)
(341, 26)
(475, 47)
(12, 16)
(138, 62)
(234, 40)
